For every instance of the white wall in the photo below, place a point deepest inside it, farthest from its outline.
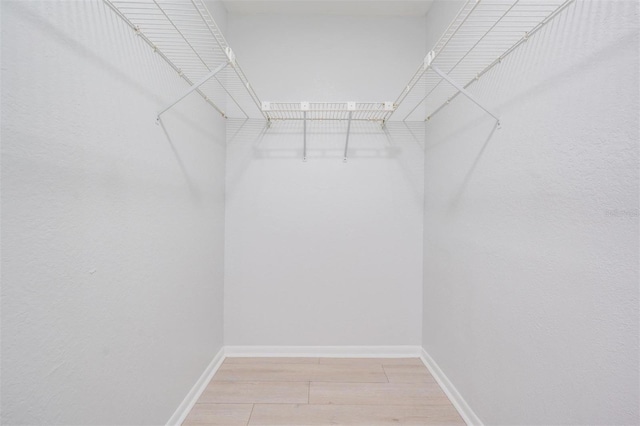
(112, 231)
(531, 232)
(324, 252)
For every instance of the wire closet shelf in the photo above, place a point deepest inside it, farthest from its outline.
(480, 36)
(185, 35)
(357, 111)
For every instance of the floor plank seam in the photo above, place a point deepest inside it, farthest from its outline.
(385, 373)
(251, 414)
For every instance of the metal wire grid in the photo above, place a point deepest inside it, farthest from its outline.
(364, 111)
(185, 35)
(482, 34)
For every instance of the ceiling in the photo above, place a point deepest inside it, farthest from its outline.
(330, 7)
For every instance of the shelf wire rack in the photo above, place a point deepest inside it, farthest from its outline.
(185, 35)
(356, 111)
(480, 36)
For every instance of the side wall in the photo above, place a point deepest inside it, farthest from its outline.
(112, 229)
(324, 252)
(531, 231)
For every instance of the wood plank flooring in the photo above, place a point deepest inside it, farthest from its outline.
(323, 391)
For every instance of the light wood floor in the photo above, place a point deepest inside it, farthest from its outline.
(323, 391)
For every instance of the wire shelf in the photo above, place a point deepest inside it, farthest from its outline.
(357, 111)
(481, 35)
(186, 36)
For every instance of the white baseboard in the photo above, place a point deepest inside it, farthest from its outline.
(467, 414)
(192, 397)
(325, 351)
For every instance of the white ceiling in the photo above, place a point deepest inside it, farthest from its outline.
(330, 7)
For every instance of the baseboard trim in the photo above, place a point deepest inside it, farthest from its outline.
(325, 351)
(192, 397)
(467, 414)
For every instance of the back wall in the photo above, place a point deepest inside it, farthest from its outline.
(324, 252)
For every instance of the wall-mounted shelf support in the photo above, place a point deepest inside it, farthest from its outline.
(328, 111)
(346, 144)
(185, 35)
(195, 87)
(463, 91)
(304, 140)
(481, 35)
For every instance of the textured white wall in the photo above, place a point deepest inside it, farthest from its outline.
(324, 252)
(531, 232)
(112, 231)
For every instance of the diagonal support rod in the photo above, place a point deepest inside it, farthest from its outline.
(194, 87)
(463, 91)
(346, 144)
(304, 146)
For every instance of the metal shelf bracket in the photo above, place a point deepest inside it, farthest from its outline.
(479, 37)
(194, 88)
(461, 89)
(187, 38)
(304, 140)
(351, 106)
(304, 107)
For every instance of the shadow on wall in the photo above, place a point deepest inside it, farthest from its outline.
(467, 178)
(138, 67)
(67, 24)
(106, 46)
(324, 139)
(571, 35)
(253, 140)
(183, 168)
(561, 53)
(574, 31)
